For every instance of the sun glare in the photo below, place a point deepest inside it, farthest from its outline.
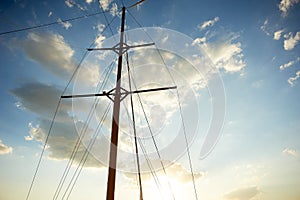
(166, 189)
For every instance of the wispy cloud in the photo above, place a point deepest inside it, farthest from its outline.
(209, 23)
(291, 41)
(285, 5)
(282, 67)
(257, 84)
(290, 63)
(100, 27)
(63, 139)
(55, 55)
(66, 24)
(292, 80)
(225, 53)
(291, 152)
(69, 3)
(114, 10)
(105, 4)
(264, 27)
(246, 193)
(277, 34)
(4, 149)
(173, 169)
(50, 50)
(42, 100)
(201, 40)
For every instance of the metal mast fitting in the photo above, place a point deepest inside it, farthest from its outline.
(117, 94)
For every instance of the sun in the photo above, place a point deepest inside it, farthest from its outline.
(166, 188)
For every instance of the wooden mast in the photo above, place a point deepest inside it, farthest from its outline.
(110, 195)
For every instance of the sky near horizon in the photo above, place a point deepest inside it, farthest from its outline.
(251, 46)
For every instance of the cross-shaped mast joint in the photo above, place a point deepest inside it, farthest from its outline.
(121, 49)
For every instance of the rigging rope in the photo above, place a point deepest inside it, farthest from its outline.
(76, 147)
(86, 153)
(152, 171)
(56, 111)
(154, 141)
(52, 23)
(180, 108)
(148, 160)
(155, 145)
(112, 34)
(43, 150)
(71, 159)
(187, 146)
(88, 120)
(52, 123)
(183, 126)
(134, 130)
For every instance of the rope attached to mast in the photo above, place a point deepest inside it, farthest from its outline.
(134, 130)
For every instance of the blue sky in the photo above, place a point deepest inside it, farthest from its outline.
(252, 46)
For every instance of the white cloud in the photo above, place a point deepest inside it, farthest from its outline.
(191, 74)
(199, 41)
(41, 99)
(209, 23)
(66, 24)
(282, 67)
(223, 50)
(101, 55)
(290, 63)
(105, 4)
(88, 1)
(291, 80)
(179, 172)
(164, 39)
(63, 139)
(291, 41)
(257, 84)
(99, 40)
(277, 34)
(285, 5)
(100, 27)
(114, 10)
(4, 149)
(51, 51)
(246, 193)
(69, 3)
(174, 170)
(291, 152)
(54, 54)
(164, 102)
(264, 27)
(225, 54)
